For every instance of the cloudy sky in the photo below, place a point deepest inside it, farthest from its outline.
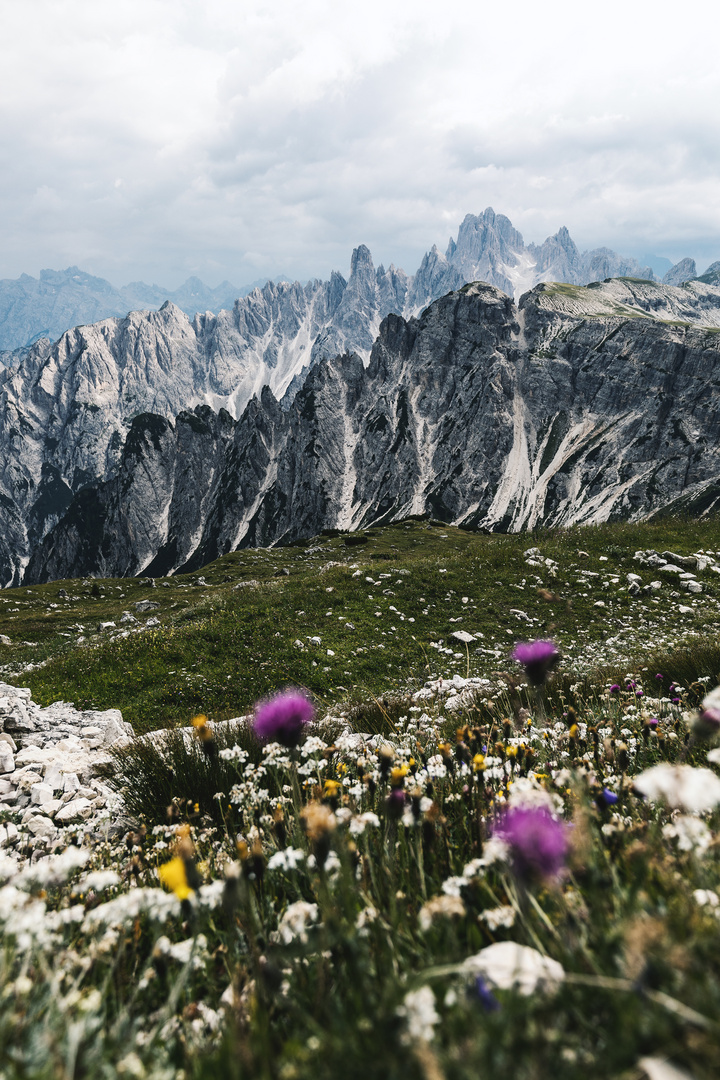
(153, 139)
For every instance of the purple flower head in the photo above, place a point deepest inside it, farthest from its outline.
(485, 995)
(614, 689)
(707, 724)
(395, 802)
(659, 677)
(653, 722)
(609, 797)
(639, 693)
(538, 658)
(283, 718)
(538, 842)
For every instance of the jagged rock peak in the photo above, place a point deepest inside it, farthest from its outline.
(681, 272)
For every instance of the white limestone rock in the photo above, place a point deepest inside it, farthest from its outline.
(39, 825)
(75, 810)
(41, 793)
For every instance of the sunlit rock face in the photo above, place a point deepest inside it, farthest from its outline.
(573, 405)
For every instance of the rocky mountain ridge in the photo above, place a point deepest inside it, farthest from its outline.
(487, 248)
(575, 405)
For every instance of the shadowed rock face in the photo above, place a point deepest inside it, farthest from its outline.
(577, 405)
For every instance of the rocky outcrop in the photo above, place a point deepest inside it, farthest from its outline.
(712, 274)
(51, 763)
(577, 405)
(681, 272)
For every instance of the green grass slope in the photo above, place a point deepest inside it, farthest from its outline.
(348, 619)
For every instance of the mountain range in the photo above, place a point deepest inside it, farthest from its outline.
(487, 248)
(577, 404)
(33, 308)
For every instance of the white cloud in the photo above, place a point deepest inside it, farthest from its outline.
(156, 139)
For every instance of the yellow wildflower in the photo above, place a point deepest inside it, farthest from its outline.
(174, 878)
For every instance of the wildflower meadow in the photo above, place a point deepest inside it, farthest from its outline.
(510, 874)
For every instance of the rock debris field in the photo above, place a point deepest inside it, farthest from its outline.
(49, 772)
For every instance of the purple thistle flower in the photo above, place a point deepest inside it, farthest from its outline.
(395, 803)
(639, 693)
(653, 722)
(283, 718)
(659, 677)
(538, 658)
(614, 689)
(538, 842)
(707, 724)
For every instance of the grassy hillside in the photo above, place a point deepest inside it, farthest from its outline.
(351, 616)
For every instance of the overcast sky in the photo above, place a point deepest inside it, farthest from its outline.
(153, 139)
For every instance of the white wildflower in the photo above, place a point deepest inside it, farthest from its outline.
(210, 896)
(55, 870)
(288, 859)
(706, 898)
(500, 916)
(529, 793)
(8, 867)
(476, 868)
(361, 821)
(194, 948)
(312, 746)
(691, 834)
(452, 885)
(98, 881)
(495, 850)
(276, 754)
(365, 917)
(681, 786)
(295, 921)
(445, 907)
(234, 753)
(124, 909)
(418, 1009)
(332, 863)
(508, 966)
(436, 768)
